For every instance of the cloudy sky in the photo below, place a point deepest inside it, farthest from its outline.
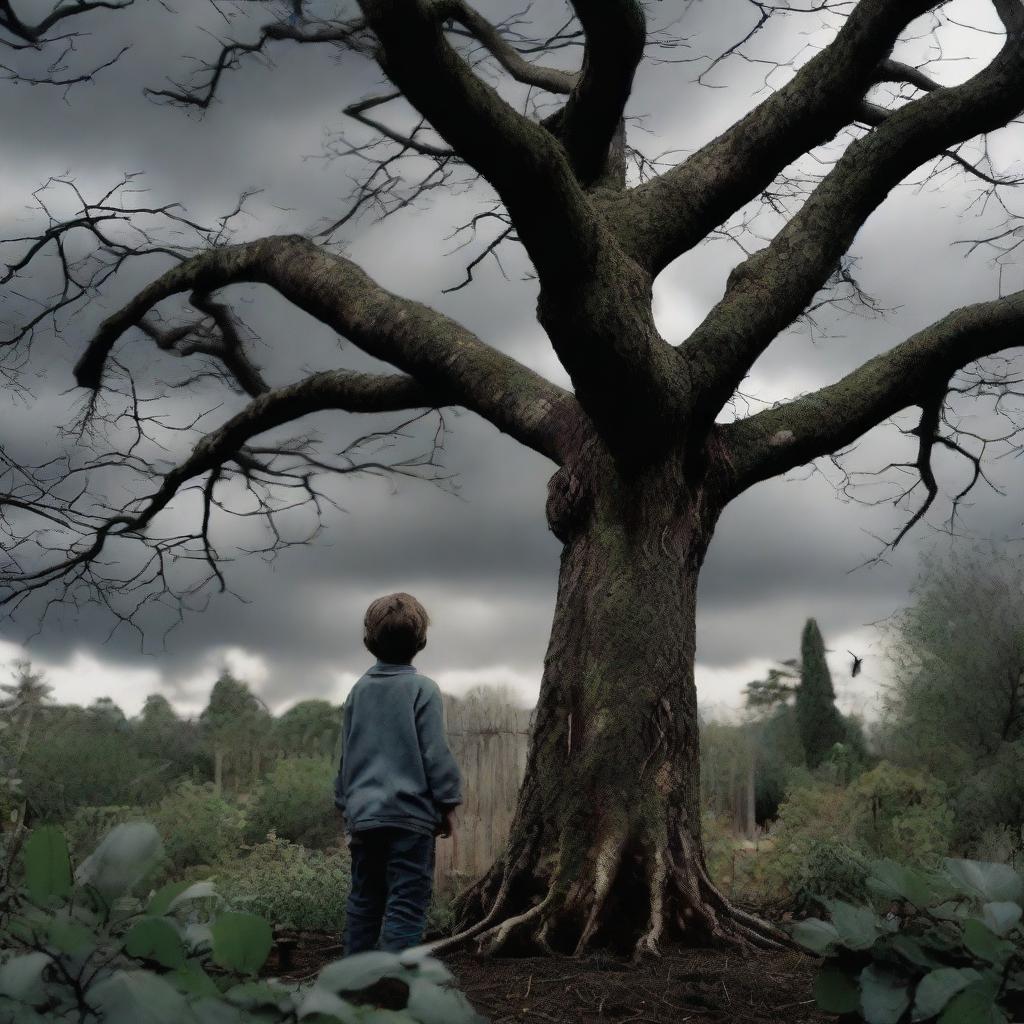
(481, 559)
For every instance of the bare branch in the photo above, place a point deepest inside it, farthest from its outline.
(668, 215)
(522, 70)
(795, 433)
(442, 355)
(803, 254)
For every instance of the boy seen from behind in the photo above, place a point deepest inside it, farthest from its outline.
(397, 785)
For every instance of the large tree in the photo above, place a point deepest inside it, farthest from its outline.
(957, 694)
(605, 848)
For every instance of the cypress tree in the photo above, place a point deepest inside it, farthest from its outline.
(818, 720)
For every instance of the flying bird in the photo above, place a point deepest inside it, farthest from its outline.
(857, 662)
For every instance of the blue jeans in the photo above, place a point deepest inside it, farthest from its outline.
(392, 878)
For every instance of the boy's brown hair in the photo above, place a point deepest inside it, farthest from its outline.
(395, 628)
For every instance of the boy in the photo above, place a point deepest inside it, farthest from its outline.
(397, 785)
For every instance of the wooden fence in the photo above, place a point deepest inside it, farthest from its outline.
(489, 737)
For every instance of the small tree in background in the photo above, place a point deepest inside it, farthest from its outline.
(237, 726)
(820, 724)
(25, 697)
(160, 732)
(310, 728)
(296, 802)
(956, 704)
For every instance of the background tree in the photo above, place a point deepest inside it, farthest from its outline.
(237, 727)
(161, 732)
(309, 728)
(78, 758)
(956, 703)
(605, 848)
(821, 726)
(26, 696)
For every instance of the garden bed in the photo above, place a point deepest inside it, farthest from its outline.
(683, 985)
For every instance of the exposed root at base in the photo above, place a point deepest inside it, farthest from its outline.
(679, 895)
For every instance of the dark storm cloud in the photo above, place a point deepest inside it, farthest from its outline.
(484, 562)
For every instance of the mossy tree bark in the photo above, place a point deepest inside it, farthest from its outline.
(605, 848)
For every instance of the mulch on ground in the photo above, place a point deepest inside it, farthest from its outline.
(681, 985)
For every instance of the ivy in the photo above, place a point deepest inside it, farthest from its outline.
(945, 946)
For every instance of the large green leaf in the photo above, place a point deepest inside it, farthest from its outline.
(836, 991)
(938, 987)
(216, 1011)
(155, 938)
(21, 977)
(988, 882)
(884, 996)
(986, 945)
(359, 971)
(896, 881)
(432, 1004)
(70, 937)
(125, 856)
(138, 997)
(241, 942)
(911, 950)
(191, 978)
(196, 891)
(320, 1000)
(818, 936)
(975, 1005)
(425, 966)
(20, 1014)
(160, 901)
(857, 926)
(198, 936)
(1001, 917)
(256, 994)
(47, 864)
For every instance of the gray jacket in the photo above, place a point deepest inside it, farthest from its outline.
(396, 768)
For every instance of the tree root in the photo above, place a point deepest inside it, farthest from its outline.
(703, 912)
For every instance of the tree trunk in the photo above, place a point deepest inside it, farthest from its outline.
(605, 847)
(218, 770)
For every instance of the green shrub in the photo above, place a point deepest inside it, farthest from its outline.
(828, 869)
(296, 802)
(950, 948)
(89, 825)
(825, 833)
(814, 818)
(293, 886)
(198, 827)
(991, 795)
(1002, 844)
(902, 814)
(719, 843)
(79, 945)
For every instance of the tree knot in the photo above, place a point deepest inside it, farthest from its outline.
(569, 504)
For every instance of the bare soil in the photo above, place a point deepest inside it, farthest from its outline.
(681, 985)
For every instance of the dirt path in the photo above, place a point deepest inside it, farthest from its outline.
(683, 985)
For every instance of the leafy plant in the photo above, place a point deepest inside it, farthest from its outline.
(950, 947)
(290, 885)
(296, 802)
(199, 827)
(89, 825)
(82, 945)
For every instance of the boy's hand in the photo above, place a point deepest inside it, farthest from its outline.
(448, 822)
